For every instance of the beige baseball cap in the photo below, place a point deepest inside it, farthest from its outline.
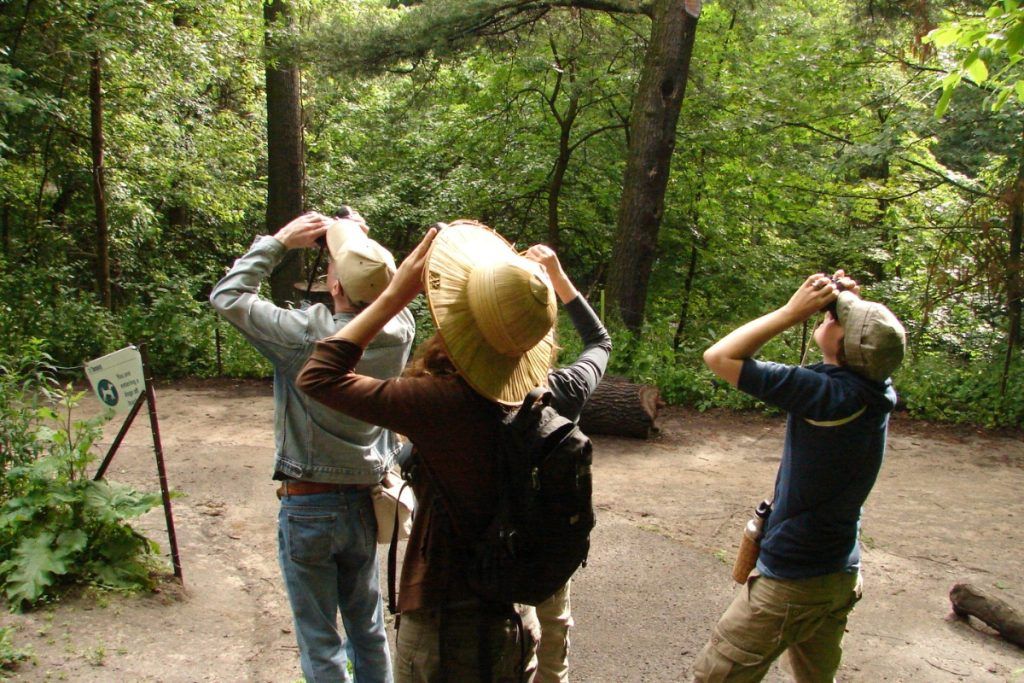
(874, 340)
(363, 267)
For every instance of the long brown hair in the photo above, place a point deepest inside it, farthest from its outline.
(431, 358)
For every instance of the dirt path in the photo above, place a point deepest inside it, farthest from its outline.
(947, 507)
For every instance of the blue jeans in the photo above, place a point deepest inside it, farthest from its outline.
(327, 546)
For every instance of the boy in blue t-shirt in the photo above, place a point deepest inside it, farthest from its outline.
(807, 578)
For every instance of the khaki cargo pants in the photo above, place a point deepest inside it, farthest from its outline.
(805, 617)
(554, 617)
(419, 660)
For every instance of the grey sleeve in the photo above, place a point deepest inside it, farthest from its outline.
(277, 333)
(572, 386)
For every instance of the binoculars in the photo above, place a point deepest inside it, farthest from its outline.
(831, 307)
(342, 211)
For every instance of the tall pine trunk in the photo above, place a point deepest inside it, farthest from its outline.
(285, 167)
(653, 132)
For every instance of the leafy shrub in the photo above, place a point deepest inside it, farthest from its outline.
(75, 327)
(177, 328)
(57, 526)
(936, 387)
(239, 358)
(24, 381)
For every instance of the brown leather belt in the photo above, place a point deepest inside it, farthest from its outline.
(307, 488)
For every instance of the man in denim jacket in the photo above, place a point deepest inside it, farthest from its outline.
(327, 462)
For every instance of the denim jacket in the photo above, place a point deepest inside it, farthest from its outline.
(313, 442)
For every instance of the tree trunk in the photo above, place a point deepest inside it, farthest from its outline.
(59, 208)
(621, 408)
(99, 193)
(684, 310)
(653, 133)
(565, 124)
(555, 186)
(969, 600)
(1014, 279)
(1013, 283)
(285, 168)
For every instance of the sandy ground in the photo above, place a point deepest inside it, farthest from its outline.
(947, 507)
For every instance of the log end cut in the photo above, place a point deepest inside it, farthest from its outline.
(619, 407)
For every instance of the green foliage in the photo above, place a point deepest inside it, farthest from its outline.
(806, 142)
(57, 526)
(178, 330)
(239, 358)
(73, 324)
(934, 388)
(987, 50)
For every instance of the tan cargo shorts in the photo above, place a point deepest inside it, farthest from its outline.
(804, 617)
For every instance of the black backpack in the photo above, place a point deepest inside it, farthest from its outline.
(540, 533)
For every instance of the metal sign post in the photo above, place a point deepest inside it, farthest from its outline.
(116, 379)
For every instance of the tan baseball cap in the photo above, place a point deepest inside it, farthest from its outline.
(874, 340)
(363, 267)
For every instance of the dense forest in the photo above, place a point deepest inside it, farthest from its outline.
(691, 162)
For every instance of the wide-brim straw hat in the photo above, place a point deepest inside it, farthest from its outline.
(494, 310)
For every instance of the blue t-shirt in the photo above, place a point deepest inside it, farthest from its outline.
(835, 441)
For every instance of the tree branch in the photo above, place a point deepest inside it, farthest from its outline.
(596, 131)
(945, 178)
(807, 126)
(645, 7)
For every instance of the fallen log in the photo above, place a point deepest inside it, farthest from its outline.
(970, 600)
(619, 407)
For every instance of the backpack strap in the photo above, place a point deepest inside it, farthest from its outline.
(534, 401)
(393, 561)
(408, 461)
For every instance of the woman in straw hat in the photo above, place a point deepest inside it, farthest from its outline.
(495, 313)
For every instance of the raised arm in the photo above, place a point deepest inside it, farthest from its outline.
(725, 357)
(403, 288)
(275, 331)
(573, 385)
(329, 377)
(546, 257)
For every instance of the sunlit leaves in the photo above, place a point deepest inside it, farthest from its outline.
(986, 49)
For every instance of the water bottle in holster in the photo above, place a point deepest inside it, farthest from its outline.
(750, 543)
